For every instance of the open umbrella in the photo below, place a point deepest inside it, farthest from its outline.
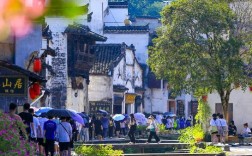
(76, 117)
(139, 116)
(42, 110)
(59, 113)
(102, 111)
(118, 117)
(85, 117)
(169, 114)
(65, 113)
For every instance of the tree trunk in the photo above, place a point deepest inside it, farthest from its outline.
(224, 95)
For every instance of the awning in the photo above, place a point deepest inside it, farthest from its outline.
(32, 76)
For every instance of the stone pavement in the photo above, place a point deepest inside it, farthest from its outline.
(240, 150)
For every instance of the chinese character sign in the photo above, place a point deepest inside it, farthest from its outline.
(13, 85)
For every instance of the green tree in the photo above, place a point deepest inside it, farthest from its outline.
(198, 48)
(145, 7)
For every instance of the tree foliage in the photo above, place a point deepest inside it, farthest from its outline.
(198, 48)
(145, 7)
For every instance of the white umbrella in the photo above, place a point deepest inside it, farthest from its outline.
(118, 117)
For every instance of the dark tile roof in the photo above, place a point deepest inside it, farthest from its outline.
(140, 89)
(79, 29)
(32, 76)
(123, 4)
(107, 56)
(119, 88)
(126, 29)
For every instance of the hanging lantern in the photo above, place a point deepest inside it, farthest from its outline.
(37, 65)
(32, 93)
(204, 98)
(250, 88)
(36, 88)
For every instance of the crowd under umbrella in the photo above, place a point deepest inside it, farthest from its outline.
(65, 113)
(42, 110)
(118, 117)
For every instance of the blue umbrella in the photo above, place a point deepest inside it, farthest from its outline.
(118, 117)
(102, 111)
(65, 113)
(42, 110)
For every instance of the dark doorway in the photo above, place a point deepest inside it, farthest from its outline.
(117, 109)
(219, 109)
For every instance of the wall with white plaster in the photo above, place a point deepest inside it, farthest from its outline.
(241, 106)
(116, 16)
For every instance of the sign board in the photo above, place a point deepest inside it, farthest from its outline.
(95, 106)
(194, 107)
(130, 98)
(13, 86)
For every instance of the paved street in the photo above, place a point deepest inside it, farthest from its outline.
(240, 150)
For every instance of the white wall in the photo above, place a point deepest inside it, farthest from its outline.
(100, 88)
(241, 106)
(156, 99)
(140, 41)
(77, 102)
(98, 8)
(116, 16)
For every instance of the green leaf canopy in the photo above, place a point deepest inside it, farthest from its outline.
(197, 47)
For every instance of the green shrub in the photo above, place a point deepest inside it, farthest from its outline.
(10, 142)
(141, 127)
(208, 149)
(161, 127)
(98, 151)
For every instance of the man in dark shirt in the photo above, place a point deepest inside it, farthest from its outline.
(27, 119)
(49, 132)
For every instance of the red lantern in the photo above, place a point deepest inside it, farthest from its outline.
(32, 93)
(36, 88)
(37, 65)
(250, 88)
(204, 98)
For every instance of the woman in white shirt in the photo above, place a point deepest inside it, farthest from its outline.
(222, 129)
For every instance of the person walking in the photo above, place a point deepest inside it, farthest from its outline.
(27, 119)
(105, 126)
(49, 133)
(111, 127)
(117, 128)
(214, 122)
(153, 130)
(222, 128)
(40, 135)
(132, 129)
(37, 127)
(64, 134)
(98, 128)
(123, 127)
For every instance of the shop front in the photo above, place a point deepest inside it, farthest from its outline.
(14, 84)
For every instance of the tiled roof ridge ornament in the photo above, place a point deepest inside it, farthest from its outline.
(47, 33)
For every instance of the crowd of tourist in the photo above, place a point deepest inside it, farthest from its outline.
(219, 129)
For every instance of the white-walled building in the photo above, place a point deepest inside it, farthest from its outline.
(239, 106)
(73, 42)
(116, 80)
